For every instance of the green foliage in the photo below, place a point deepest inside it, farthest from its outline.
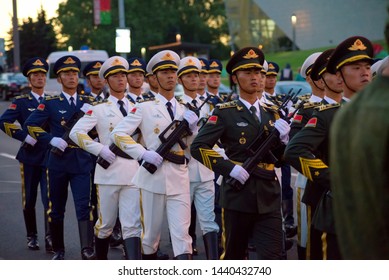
(37, 38)
(152, 22)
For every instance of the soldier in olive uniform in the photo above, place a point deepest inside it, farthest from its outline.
(300, 119)
(308, 151)
(359, 171)
(256, 208)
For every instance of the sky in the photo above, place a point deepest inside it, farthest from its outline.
(25, 9)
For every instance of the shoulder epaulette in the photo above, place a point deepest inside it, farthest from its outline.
(327, 106)
(146, 100)
(231, 104)
(312, 105)
(51, 97)
(99, 102)
(22, 96)
(180, 100)
(304, 97)
(87, 97)
(270, 107)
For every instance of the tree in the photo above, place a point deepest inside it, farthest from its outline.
(37, 38)
(152, 22)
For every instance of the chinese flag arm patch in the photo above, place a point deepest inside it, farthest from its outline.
(133, 110)
(12, 106)
(297, 118)
(311, 123)
(212, 120)
(41, 107)
(89, 113)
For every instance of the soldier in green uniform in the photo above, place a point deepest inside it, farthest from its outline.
(359, 171)
(256, 208)
(308, 151)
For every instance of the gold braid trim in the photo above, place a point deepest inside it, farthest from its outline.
(10, 128)
(313, 163)
(83, 140)
(206, 154)
(35, 130)
(122, 141)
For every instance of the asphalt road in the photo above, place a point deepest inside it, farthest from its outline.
(12, 231)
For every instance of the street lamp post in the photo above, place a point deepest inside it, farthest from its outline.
(293, 19)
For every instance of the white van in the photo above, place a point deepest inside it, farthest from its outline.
(86, 56)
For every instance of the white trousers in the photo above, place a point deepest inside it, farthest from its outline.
(203, 195)
(122, 199)
(178, 217)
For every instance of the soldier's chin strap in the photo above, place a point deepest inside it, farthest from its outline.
(317, 85)
(156, 76)
(344, 81)
(337, 91)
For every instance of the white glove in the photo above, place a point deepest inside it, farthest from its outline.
(192, 119)
(240, 174)
(30, 140)
(283, 128)
(86, 107)
(107, 154)
(58, 143)
(152, 157)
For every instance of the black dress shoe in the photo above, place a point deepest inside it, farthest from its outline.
(49, 245)
(88, 254)
(161, 255)
(59, 256)
(32, 243)
(116, 239)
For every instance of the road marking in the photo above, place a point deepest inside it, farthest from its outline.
(7, 155)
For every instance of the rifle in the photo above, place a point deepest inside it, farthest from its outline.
(117, 151)
(175, 132)
(68, 127)
(261, 148)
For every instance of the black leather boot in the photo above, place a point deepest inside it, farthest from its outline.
(211, 245)
(132, 248)
(85, 229)
(149, 256)
(184, 257)
(30, 222)
(116, 236)
(48, 240)
(56, 229)
(101, 248)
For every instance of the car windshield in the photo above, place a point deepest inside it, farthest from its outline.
(20, 78)
(285, 87)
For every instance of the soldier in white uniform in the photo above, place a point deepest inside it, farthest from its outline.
(168, 187)
(202, 188)
(115, 191)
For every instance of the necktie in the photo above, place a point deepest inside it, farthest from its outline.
(254, 112)
(72, 104)
(121, 107)
(202, 98)
(98, 98)
(194, 102)
(169, 109)
(138, 99)
(40, 98)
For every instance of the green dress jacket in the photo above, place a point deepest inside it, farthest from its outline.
(235, 127)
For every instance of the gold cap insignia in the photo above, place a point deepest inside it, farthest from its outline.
(116, 61)
(189, 62)
(358, 45)
(250, 54)
(136, 63)
(167, 56)
(69, 61)
(202, 63)
(97, 65)
(38, 62)
(214, 64)
(271, 66)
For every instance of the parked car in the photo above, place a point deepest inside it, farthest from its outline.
(13, 84)
(284, 87)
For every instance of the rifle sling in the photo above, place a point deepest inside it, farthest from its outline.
(177, 159)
